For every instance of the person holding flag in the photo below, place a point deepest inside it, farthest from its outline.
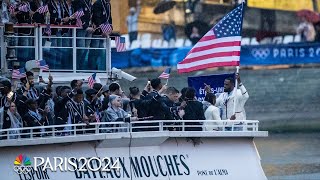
(92, 80)
(89, 105)
(18, 73)
(218, 48)
(102, 22)
(165, 74)
(85, 31)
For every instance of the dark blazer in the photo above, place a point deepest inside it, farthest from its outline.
(54, 14)
(25, 18)
(101, 13)
(86, 6)
(32, 121)
(194, 111)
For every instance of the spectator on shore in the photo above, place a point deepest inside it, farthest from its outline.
(132, 22)
(306, 31)
(169, 33)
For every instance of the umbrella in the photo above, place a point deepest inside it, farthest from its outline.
(164, 6)
(309, 15)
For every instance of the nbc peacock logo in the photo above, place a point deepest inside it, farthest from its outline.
(22, 164)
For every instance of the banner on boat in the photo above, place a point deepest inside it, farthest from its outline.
(174, 159)
(216, 81)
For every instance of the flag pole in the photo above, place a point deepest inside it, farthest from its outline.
(235, 91)
(167, 81)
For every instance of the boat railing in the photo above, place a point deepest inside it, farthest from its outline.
(132, 127)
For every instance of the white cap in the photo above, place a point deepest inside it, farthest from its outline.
(132, 9)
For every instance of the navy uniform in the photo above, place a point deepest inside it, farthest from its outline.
(89, 104)
(76, 111)
(101, 13)
(86, 6)
(24, 54)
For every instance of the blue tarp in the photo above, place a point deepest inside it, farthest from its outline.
(298, 53)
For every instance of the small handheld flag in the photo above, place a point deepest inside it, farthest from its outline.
(12, 8)
(18, 73)
(42, 64)
(120, 44)
(43, 9)
(92, 80)
(77, 15)
(24, 8)
(106, 28)
(166, 73)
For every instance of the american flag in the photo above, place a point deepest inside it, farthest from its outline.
(42, 65)
(219, 47)
(120, 44)
(47, 30)
(24, 8)
(43, 9)
(77, 15)
(92, 80)
(106, 28)
(96, 114)
(12, 8)
(18, 73)
(165, 74)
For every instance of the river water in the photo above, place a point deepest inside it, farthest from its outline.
(293, 156)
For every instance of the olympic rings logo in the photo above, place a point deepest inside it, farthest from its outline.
(22, 169)
(260, 53)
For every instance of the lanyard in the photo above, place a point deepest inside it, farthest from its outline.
(88, 4)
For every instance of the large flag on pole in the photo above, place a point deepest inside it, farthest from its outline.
(218, 47)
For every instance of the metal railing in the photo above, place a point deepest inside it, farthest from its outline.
(65, 50)
(133, 127)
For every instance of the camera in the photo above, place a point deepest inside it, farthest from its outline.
(121, 74)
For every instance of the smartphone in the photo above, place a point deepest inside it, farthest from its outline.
(9, 95)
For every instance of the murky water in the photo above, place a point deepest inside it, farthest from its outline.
(293, 156)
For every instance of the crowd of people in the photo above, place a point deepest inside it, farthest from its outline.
(61, 12)
(28, 106)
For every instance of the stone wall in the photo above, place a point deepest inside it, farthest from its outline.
(282, 99)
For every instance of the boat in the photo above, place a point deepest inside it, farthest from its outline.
(120, 151)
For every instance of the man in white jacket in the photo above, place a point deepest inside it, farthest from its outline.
(230, 96)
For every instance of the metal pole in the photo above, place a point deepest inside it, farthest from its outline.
(36, 43)
(108, 56)
(74, 49)
(40, 43)
(235, 92)
(3, 52)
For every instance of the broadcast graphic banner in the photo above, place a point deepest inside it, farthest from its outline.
(216, 82)
(301, 53)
